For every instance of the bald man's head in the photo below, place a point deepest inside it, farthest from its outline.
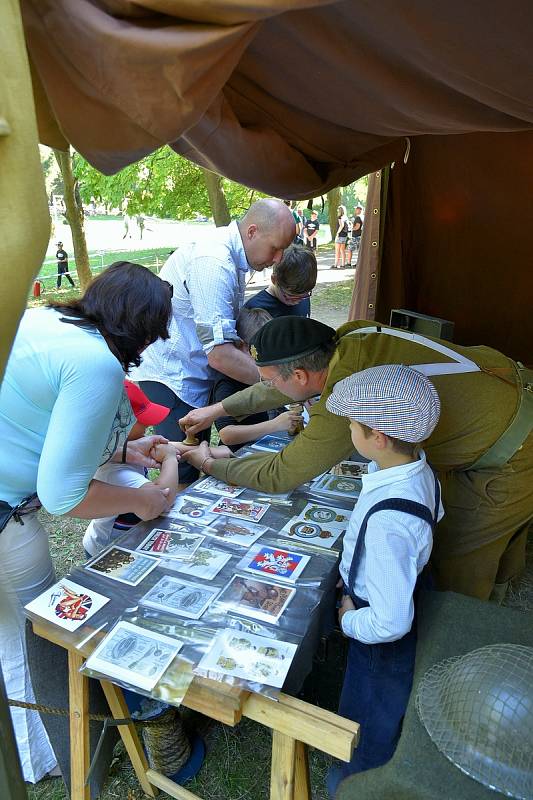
(266, 230)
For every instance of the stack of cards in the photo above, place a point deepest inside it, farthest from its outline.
(67, 604)
(134, 655)
(176, 596)
(318, 524)
(255, 598)
(273, 562)
(171, 544)
(252, 658)
(122, 565)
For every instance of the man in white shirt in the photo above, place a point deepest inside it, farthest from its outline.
(392, 409)
(209, 279)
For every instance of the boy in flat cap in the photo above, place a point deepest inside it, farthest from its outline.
(482, 446)
(391, 410)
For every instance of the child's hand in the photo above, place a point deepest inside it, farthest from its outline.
(161, 452)
(346, 605)
(286, 421)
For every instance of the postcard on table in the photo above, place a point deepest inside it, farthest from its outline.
(67, 604)
(134, 655)
(270, 442)
(234, 531)
(122, 565)
(253, 658)
(213, 486)
(171, 544)
(191, 509)
(350, 469)
(255, 598)
(273, 562)
(340, 486)
(177, 596)
(242, 509)
(206, 563)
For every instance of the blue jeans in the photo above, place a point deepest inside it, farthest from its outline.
(169, 428)
(375, 693)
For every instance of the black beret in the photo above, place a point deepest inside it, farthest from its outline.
(284, 339)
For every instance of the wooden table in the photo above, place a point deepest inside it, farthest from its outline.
(295, 725)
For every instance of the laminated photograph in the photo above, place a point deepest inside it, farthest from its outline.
(191, 509)
(242, 509)
(317, 524)
(340, 486)
(273, 562)
(67, 604)
(270, 442)
(206, 563)
(171, 544)
(233, 531)
(255, 598)
(122, 565)
(252, 658)
(176, 596)
(213, 486)
(134, 655)
(350, 469)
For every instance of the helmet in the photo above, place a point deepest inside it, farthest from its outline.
(478, 710)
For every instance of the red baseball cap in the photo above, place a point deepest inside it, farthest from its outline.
(147, 413)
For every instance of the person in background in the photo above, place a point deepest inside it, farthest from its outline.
(355, 239)
(292, 282)
(62, 265)
(209, 278)
(311, 229)
(341, 237)
(392, 409)
(236, 433)
(291, 204)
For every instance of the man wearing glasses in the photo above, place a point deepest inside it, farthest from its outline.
(291, 285)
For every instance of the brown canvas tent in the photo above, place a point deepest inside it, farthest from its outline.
(298, 96)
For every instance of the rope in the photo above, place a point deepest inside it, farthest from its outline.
(64, 712)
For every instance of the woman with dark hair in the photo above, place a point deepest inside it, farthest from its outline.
(341, 237)
(63, 412)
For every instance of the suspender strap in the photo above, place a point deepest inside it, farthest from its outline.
(392, 504)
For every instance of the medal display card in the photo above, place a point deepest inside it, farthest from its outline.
(171, 544)
(122, 565)
(233, 531)
(256, 598)
(252, 658)
(273, 444)
(273, 562)
(213, 486)
(206, 563)
(134, 655)
(318, 524)
(242, 509)
(176, 596)
(67, 604)
(191, 509)
(350, 469)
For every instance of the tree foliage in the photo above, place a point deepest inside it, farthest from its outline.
(163, 184)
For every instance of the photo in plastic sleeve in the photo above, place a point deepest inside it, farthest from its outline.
(134, 655)
(350, 469)
(177, 596)
(317, 524)
(341, 486)
(233, 531)
(270, 442)
(206, 563)
(252, 658)
(242, 509)
(273, 562)
(67, 604)
(213, 486)
(256, 598)
(191, 509)
(186, 527)
(122, 565)
(171, 544)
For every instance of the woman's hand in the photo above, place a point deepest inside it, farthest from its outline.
(197, 456)
(140, 451)
(151, 501)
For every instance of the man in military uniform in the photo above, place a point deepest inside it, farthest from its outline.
(482, 447)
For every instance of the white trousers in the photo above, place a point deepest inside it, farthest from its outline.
(26, 570)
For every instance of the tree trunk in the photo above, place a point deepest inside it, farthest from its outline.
(75, 219)
(334, 201)
(217, 198)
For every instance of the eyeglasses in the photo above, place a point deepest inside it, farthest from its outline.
(270, 383)
(290, 296)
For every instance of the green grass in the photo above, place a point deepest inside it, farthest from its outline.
(96, 259)
(336, 295)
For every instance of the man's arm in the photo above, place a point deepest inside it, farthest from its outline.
(255, 399)
(229, 360)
